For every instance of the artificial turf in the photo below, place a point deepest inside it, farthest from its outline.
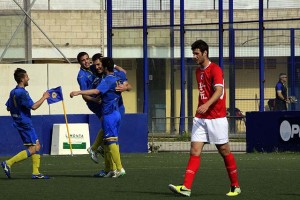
(262, 176)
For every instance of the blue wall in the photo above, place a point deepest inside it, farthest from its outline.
(133, 135)
(266, 131)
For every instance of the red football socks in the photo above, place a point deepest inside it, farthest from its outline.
(231, 167)
(191, 170)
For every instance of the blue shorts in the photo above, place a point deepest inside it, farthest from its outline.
(111, 125)
(27, 133)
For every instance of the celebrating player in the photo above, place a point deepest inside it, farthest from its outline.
(110, 110)
(85, 79)
(98, 70)
(19, 104)
(89, 76)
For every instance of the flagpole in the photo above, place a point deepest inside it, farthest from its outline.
(67, 127)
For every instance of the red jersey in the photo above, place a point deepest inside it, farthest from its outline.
(207, 79)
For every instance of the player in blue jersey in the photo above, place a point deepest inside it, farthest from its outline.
(98, 70)
(110, 111)
(85, 79)
(20, 104)
(88, 79)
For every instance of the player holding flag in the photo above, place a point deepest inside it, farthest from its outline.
(19, 104)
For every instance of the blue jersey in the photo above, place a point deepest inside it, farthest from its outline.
(280, 86)
(19, 104)
(280, 104)
(110, 107)
(85, 79)
(96, 82)
(123, 78)
(99, 77)
(120, 74)
(110, 97)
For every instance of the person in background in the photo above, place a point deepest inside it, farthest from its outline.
(20, 105)
(210, 124)
(281, 99)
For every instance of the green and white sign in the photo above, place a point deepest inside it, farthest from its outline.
(79, 136)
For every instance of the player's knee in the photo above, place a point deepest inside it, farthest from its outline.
(195, 151)
(32, 150)
(196, 148)
(224, 150)
(37, 147)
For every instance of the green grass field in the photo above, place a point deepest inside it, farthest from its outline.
(262, 176)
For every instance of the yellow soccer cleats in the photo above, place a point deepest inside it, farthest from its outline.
(180, 189)
(234, 191)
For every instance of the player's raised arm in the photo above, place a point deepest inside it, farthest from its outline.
(84, 92)
(120, 69)
(37, 104)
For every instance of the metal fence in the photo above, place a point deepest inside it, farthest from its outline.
(152, 39)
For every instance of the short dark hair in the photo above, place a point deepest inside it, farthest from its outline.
(80, 55)
(108, 63)
(200, 44)
(97, 56)
(282, 74)
(19, 74)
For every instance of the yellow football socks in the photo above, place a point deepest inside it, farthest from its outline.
(107, 164)
(108, 161)
(36, 159)
(98, 141)
(17, 158)
(115, 154)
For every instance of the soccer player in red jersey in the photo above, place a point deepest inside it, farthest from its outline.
(210, 124)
